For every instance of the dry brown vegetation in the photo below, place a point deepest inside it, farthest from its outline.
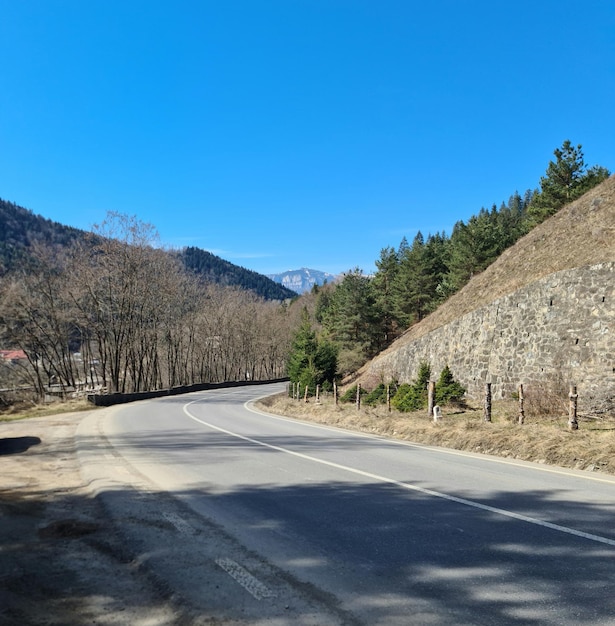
(26, 409)
(540, 439)
(582, 233)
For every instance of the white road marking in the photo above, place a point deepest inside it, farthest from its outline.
(408, 444)
(391, 481)
(180, 524)
(251, 584)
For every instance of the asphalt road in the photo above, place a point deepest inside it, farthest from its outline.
(253, 518)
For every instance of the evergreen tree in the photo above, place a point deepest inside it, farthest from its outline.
(436, 257)
(566, 179)
(383, 285)
(311, 361)
(352, 318)
(447, 388)
(325, 361)
(301, 361)
(412, 285)
(413, 396)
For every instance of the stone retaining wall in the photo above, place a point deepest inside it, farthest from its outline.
(559, 329)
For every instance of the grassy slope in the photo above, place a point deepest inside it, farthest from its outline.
(582, 233)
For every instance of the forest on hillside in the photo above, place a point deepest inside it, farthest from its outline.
(21, 231)
(116, 314)
(113, 312)
(361, 315)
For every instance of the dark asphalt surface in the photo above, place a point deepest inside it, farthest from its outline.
(364, 529)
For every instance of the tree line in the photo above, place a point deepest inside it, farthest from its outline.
(361, 315)
(114, 312)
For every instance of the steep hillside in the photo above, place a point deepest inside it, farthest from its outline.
(214, 269)
(20, 229)
(582, 233)
(541, 315)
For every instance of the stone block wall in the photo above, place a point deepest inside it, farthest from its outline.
(560, 328)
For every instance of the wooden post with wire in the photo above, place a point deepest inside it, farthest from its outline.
(521, 418)
(573, 397)
(487, 407)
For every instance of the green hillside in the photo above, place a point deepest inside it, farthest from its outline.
(20, 229)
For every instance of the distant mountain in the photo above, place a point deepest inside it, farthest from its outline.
(214, 269)
(302, 280)
(20, 229)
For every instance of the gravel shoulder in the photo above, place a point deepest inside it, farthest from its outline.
(86, 539)
(61, 560)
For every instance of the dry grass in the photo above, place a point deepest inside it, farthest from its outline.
(582, 233)
(542, 440)
(25, 410)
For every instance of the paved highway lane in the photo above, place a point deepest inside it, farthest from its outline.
(376, 531)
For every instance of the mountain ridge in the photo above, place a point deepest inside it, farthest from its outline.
(21, 229)
(303, 279)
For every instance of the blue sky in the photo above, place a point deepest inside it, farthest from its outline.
(281, 134)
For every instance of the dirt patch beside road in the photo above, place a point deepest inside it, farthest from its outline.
(61, 562)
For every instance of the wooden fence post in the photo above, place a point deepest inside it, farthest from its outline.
(389, 398)
(431, 394)
(573, 396)
(305, 397)
(335, 393)
(317, 394)
(521, 408)
(487, 408)
(358, 396)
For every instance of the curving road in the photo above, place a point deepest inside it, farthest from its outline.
(275, 521)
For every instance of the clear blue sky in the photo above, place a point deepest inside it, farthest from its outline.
(281, 134)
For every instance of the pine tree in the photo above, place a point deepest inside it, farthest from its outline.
(352, 318)
(412, 285)
(301, 366)
(413, 396)
(566, 179)
(383, 285)
(447, 388)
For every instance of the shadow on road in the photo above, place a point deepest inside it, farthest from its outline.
(17, 445)
(402, 547)
(386, 548)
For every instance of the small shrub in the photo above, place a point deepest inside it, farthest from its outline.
(412, 397)
(327, 386)
(448, 389)
(350, 395)
(377, 396)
